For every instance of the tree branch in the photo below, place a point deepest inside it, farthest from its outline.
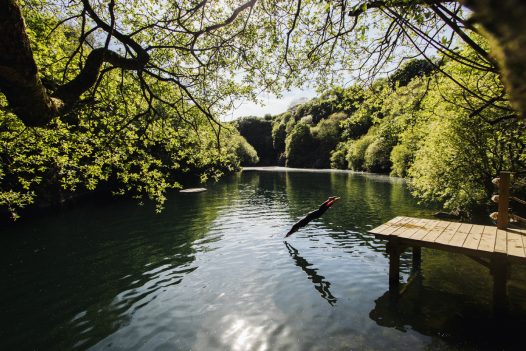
(360, 9)
(19, 79)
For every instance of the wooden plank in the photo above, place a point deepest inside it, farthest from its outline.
(448, 233)
(515, 244)
(413, 228)
(407, 226)
(401, 226)
(501, 241)
(379, 230)
(382, 228)
(473, 238)
(460, 235)
(487, 240)
(426, 228)
(522, 233)
(395, 225)
(434, 233)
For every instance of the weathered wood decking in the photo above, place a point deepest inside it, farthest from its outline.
(492, 247)
(453, 236)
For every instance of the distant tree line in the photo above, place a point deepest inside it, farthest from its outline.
(417, 123)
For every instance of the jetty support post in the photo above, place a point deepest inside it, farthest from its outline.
(499, 272)
(504, 200)
(394, 251)
(417, 259)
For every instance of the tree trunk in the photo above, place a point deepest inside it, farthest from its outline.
(19, 79)
(505, 23)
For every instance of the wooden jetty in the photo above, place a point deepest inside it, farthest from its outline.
(492, 246)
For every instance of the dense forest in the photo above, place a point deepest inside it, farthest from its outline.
(127, 97)
(417, 123)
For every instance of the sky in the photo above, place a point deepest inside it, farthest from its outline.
(270, 104)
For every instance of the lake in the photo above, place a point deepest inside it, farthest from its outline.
(212, 272)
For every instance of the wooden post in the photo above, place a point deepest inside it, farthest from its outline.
(417, 258)
(504, 199)
(499, 271)
(393, 250)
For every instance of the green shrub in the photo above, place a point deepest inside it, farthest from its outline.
(401, 159)
(329, 129)
(356, 152)
(244, 151)
(317, 108)
(376, 157)
(300, 147)
(279, 134)
(356, 125)
(327, 134)
(410, 70)
(338, 156)
(306, 120)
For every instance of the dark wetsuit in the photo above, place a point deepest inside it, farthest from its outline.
(310, 216)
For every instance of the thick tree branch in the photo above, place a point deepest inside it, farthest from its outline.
(362, 8)
(232, 18)
(19, 80)
(70, 92)
(142, 55)
(479, 50)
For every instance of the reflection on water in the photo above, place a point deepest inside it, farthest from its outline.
(453, 317)
(211, 272)
(319, 281)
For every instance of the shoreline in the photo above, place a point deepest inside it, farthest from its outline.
(320, 170)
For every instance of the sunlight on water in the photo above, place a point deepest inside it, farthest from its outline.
(212, 272)
(241, 335)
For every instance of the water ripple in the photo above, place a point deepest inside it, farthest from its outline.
(213, 272)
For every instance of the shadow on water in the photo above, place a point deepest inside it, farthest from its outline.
(453, 318)
(319, 281)
(72, 279)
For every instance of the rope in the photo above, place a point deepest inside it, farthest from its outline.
(518, 218)
(518, 200)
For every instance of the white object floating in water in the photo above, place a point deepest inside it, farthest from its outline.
(192, 190)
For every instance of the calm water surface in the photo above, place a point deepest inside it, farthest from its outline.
(212, 272)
